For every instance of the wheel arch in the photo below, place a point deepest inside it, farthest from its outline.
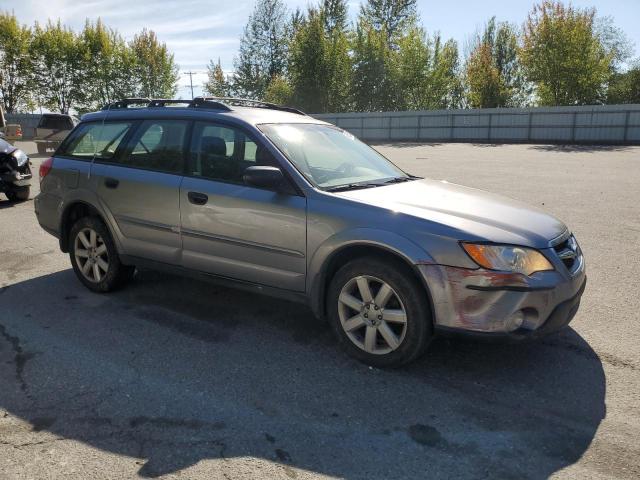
(359, 249)
(72, 213)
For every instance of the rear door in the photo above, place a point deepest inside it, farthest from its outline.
(140, 189)
(232, 229)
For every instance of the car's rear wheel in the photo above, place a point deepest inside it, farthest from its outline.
(379, 312)
(42, 148)
(94, 256)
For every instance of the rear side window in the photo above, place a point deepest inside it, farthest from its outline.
(157, 145)
(91, 139)
(55, 122)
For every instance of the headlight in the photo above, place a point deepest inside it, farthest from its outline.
(21, 157)
(508, 258)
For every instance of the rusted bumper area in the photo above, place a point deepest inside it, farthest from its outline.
(487, 302)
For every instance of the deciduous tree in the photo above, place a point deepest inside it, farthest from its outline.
(15, 62)
(217, 83)
(156, 73)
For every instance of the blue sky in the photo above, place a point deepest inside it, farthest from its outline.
(200, 30)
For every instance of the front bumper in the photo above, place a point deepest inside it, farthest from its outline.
(498, 303)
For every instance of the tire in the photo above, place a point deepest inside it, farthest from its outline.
(42, 148)
(19, 194)
(96, 252)
(405, 296)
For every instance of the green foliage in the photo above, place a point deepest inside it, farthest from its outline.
(263, 49)
(156, 73)
(373, 86)
(279, 91)
(335, 15)
(217, 84)
(390, 16)
(15, 63)
(58, 73)
(493, 72)
(625, 87)
(109, 66)
(564, 56)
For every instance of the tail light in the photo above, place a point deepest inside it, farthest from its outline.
(45, 168)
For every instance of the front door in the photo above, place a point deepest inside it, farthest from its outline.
(234, 230)
(140, 189)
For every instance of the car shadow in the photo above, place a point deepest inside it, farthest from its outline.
(581, 148)
(172, 371)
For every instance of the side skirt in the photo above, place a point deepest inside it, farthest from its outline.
(216, 279)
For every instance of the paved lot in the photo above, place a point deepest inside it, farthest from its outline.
(176, 378)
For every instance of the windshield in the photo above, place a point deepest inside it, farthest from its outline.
(330, 157)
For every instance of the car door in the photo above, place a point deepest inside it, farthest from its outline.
(234, 230)
(140, 188)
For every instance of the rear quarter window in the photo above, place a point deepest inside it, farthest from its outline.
(89, 139)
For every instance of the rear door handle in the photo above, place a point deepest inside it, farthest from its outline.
(111, 183)
(197, 198)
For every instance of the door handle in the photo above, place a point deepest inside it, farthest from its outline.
(197, 198)
(111, 183)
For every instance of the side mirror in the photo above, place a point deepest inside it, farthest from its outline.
(265, 177)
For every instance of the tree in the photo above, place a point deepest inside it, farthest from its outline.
(263, 49)
(493, 73)
(390, 16)
(109, 66)
(15, 63)
(156, 73)
(373, 84)
(217, 83)
(564, 56)
(58, 72)
(335, 15)
(279, 91)
(625, 87)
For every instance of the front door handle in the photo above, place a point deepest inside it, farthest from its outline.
(197, 198)
(111, 182)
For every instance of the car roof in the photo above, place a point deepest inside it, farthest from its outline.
(234, 114)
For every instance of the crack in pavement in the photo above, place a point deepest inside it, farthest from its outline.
(20, 357)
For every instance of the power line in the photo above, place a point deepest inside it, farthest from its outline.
(191, 74)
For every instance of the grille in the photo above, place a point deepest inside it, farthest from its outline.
(569, 252)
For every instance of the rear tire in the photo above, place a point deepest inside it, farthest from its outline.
(18, 194)
(379, 312)
(42, 148)
(94, 256)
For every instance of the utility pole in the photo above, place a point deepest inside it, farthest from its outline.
(191, 82)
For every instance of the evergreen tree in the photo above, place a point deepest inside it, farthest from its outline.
(263, 49)
(335, 15)
(390, 16)
(217, 84)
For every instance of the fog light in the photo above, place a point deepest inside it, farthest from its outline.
(515, 321)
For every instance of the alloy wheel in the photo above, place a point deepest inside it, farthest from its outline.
(372, 315)
(91, 255)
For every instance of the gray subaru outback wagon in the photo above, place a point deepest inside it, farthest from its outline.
(269, 199)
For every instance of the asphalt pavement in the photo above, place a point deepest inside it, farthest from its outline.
(176, 378)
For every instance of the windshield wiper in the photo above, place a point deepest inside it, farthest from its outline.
(352, 186)
(401, 179)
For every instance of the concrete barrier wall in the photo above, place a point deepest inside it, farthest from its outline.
(27, 121)
(613, 124)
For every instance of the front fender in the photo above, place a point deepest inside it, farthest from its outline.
(383, 240)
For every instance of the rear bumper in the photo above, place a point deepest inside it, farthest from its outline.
(47, 208)
(500, 304)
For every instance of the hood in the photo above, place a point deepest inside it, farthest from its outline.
(478, 214)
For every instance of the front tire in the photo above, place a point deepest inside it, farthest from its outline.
(94, 256)
(19, 194)
(379, 312)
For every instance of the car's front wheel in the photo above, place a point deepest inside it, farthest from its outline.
(94, 256)
(379, 312)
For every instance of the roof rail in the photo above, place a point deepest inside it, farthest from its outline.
(217, 103)
(248, 102)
